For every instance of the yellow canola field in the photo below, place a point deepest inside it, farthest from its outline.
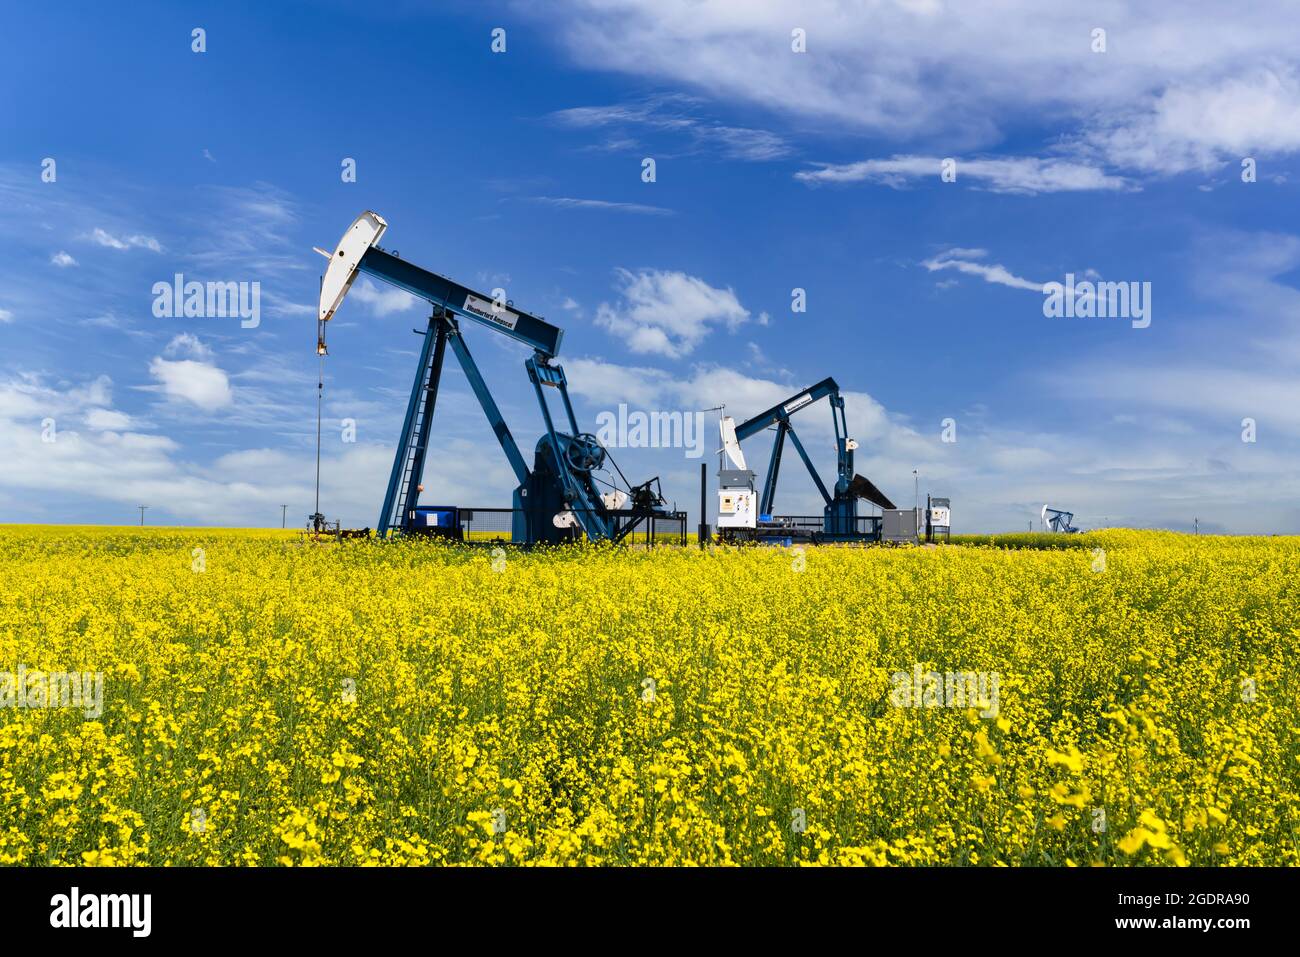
(267, 701)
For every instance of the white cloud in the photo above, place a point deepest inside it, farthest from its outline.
(961, 260)
(6, 315)
(1197, 125)
(1006, 175)
(187, 344)
(107, 420)
(278, 306)
(1180, 86)
(122, 469)
(739, 142)
(674, 113)
(104, 238)
(200, 383)
(62, 259)
(668, 313)
(607, 383)
(247, 228)
(569, 202)
(26, 397)
(382, 302)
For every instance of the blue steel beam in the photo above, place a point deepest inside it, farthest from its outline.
(773, 469)
(484, 396)
(844, 454)
(783, 409)
(462, 301)
(808, 462)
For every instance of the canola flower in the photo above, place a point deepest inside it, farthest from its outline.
(409, 703)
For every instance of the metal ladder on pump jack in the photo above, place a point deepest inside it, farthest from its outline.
(416, 443)
(414, 458)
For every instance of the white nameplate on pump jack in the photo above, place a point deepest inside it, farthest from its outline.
(798, 403)
(489, 310)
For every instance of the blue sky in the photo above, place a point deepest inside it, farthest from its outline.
(775, 170)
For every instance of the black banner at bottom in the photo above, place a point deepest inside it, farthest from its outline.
(340, 906)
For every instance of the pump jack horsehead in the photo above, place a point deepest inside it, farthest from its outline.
(561, 497)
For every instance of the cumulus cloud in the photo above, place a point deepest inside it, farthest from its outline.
(668, 313)
(201, 383)
(187, 344)
(62, 260)
(1196, 126)
(196, 379)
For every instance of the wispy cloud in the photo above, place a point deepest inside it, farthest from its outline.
(569, 202)
(1026, 174)
(246, 229)
(963, 261)
(62, 260)
(674, 114)
(136, 241)
(382, 301)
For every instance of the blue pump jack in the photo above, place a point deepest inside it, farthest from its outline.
(840, 515)
(558, 499)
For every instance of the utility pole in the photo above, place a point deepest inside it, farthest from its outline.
(916, 502)
(142, 508)
(283, 509)
(703, 533)
(1196, 526)
(321, 352)
(320, 386)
